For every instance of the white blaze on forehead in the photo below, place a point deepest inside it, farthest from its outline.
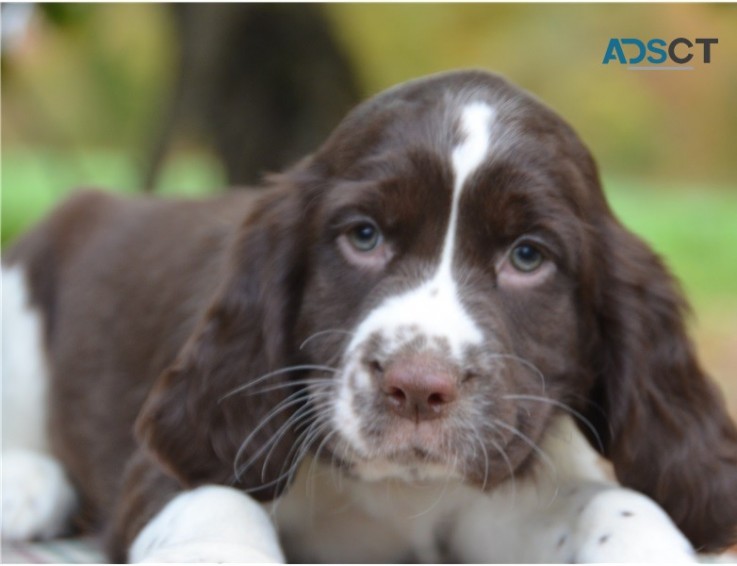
(434, 308)
(476, 124)
(466, 158)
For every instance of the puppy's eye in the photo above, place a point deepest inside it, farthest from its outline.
(364, 237)
(363, 244)
(526, 258)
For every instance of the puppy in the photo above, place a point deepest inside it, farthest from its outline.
(411, 346)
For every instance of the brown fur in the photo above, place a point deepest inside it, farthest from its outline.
(156, 310)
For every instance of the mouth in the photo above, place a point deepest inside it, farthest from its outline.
(414, 465)
(388, 448)
(410, 452)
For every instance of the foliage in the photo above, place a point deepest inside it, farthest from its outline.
(96, 75)
(82, 98)
(664, 125)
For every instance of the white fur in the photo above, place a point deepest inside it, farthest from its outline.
(556, 515)
(602, 534)
(344, 416)
(208, 524)
(25, 377)
(476, 122)
(433, 309)
(37, 497)
(328, 518)
(570, 513)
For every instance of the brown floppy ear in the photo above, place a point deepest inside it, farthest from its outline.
(664, 424)
(192, 422)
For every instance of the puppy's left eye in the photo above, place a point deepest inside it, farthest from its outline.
(364, 237)
(526, 258)
(364, 245)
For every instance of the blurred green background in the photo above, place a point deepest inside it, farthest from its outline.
(85, 86)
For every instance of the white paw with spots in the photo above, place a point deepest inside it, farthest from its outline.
(620, 525)
(37, 498)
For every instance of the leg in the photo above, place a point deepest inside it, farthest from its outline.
(621, 525)
(37, 498)
(581, 523)
(208, 524)
(568, 512)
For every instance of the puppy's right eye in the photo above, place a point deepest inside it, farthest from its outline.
(526, 258)
(364, 237)
(363, 244)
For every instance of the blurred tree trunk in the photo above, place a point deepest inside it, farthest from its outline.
(260, 85)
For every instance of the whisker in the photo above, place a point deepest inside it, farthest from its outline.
(336, 468)
(290, 401)
(290, 472)
(297, 446)
(302, 416)
(531, 443)
(292, 459)
(477, 437)
(274, 373)
(288, 384)
(566, 408)
(322, 332)
(311, 472)
(275, 481)
(526, 363)
(292, 463)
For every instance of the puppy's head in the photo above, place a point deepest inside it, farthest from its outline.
(420, 298)
(453, 226)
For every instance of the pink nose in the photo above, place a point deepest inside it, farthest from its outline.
(418, 388)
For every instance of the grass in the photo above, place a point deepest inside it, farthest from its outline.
(693, 228)
(34, 181)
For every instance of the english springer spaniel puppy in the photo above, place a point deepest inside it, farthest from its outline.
(410, 346)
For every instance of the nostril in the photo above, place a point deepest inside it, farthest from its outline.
(396, 395)
(437, 400)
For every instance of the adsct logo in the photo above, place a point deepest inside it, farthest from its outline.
(657, 54)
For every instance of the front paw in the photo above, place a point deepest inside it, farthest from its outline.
(621, 525)
(208, 524)
(209, 552)
(37, 498)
